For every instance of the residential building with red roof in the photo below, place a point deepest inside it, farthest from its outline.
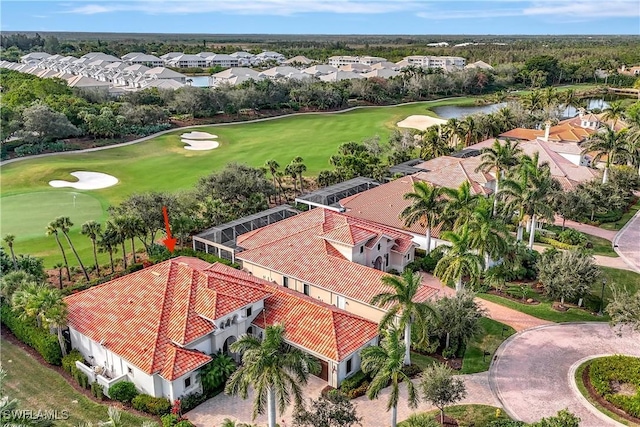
(332, 257)
(156, 327)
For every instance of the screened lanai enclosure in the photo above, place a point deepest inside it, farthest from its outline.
(329, 197)
(221, 240)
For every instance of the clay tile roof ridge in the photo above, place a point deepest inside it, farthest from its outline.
(164, 312)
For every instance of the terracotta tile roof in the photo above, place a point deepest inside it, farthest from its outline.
(383, 205)
(147, 316)
(451, 172)
(313, 325)
(568, 173)
(522, 133)
(292, 247)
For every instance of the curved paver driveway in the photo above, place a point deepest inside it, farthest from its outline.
(531, 374)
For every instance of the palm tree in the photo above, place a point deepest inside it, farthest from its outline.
(292, 171)
(58, 266)
(615, 111)
(275, 370)
(532, 101)
(470, 130)
(432, 144)
(610, 144)
(8, 239)
(34, 300)
(132, 228)
(119, 227)
(91, 229)
(52, 230)
(401, 304)
(299, 169)
(385, 364)
(108, 243)
(273, 167)
(489, 235)
(460, 260)
(456, 131)
(425, 208)
(633, 144)
(64, 224)
(56, 317)
(459, 205)
(499, 158)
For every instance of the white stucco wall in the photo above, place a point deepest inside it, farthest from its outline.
(355, 363)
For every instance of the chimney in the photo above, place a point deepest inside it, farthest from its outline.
(547, 129)
(581, 112)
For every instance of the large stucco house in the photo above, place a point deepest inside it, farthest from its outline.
(156, 327)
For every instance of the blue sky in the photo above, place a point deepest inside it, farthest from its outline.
(325, 16)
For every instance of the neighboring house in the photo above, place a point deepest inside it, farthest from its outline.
(340, 75)
(162, 323)
(94, 56)
(222, 60)
(279, 72)
(161, 73)
(269, 56)
(451, 172)
(298, 60)
(320, 70)
(444, 62)
(384, 204)
(86, 83)
(169, 56)
(383, 73)
(187, 61)
(233, 76)
(144, 59)
(244, 58)
(34, 57)
(332, 257)
(631, 71)
(355, 68)
(480, 64)
(340, 61)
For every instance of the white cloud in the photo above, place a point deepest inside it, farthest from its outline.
(559, 10)
(249, 7)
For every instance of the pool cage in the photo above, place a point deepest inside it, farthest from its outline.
(329, 197)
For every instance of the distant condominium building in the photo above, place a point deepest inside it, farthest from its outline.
(444, 62)
(339, 61)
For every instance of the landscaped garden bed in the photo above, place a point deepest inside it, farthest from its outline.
(613, 385)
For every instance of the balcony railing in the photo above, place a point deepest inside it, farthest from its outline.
(99, 375)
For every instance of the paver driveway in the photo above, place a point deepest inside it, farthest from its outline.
(531, 374)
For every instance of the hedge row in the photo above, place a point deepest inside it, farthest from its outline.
(39, 339)
(151, 405)
(555, 243)
(607, 372)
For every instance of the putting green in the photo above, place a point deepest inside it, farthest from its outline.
(26, 215)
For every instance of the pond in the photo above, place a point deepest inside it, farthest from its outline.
(459, 112)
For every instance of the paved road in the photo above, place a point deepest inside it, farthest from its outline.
(628, 242)
(531, 374)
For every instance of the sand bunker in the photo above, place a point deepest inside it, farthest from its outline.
(198, 135)
(200, 145)
(87, 181)
(420, 122)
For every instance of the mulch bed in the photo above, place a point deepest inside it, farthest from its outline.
(509, 297)
(8, 336)
(454, 363)
(448, 421)
(586, 380)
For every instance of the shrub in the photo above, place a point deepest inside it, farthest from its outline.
(69, 361)
(151, 405)
(449, 352)
(80, 377)
(606, 371)
(123, 391)
(97, 390)
(40, 340)
(555, 243)
(169, 420)
(192, 400)
(353, 381)
(361, 390)
(411, 370)
(572, 237)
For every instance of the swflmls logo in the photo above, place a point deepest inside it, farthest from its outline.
(30, 414)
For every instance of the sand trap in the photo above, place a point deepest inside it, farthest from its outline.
(420, 122)
(198, 135)
(200, 145)
(87, 181)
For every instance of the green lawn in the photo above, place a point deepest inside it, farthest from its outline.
(625, 218)
(161, 164)
(601, 246)
(40, 388)
(466, 415)
(421, 360)
(489, 340)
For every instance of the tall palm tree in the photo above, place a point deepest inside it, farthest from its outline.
(532, 101)
(8, 239)
(470, 130)
(499, 158)
(432, 144)
(401, 305)
(489, 235)
(385, 363)
(460, 259)
(614, 112)
(292, 171)
(59, 266)
(459, 205)
(633, 144)
(275, 370)
(610, 144)
(108, 243)
(33, 300)
(299, 169)
(91, 229)
(56, 317)
(456, 131)
(52, 230)
(425, 208)
(119, 227)
(132, 228)
(64, 224)
(273, 167)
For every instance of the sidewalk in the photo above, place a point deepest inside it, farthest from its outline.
(586, 228)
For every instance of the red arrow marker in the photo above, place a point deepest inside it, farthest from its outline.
(169, 242)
